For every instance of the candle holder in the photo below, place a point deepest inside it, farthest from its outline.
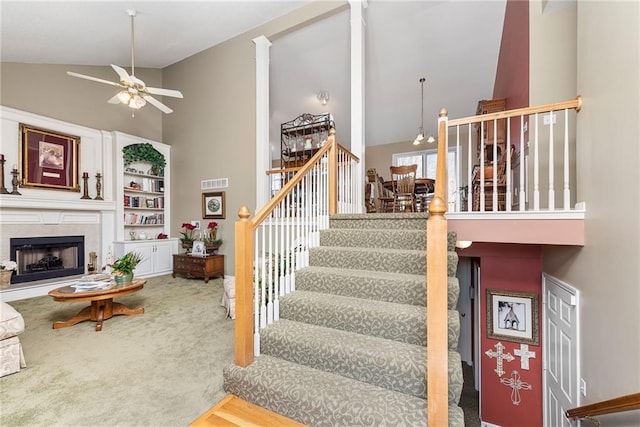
(14, 182)
(3, 190)
(98, 186)
(85, 178)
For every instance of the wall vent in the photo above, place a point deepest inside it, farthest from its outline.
(210, 184)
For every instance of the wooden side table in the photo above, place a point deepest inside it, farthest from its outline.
(200, 267)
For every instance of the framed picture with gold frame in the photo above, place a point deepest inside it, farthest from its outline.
(213, 205)
(513, 316)
(49, 159)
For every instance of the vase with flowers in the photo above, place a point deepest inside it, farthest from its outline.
(7, 268)
(211, 240)
(188, 235)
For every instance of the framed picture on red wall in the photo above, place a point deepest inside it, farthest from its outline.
(513, 316)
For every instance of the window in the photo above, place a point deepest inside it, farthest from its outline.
(426, 161)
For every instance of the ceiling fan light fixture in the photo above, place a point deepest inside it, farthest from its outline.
(136, 102)
(124, 96)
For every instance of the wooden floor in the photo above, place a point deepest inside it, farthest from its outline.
(233, 411)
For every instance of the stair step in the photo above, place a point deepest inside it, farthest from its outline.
(380, 238)
(385, 363)
(399, 322)
(322, 399)
(375, 285)
(376, 259)
(371, 238)
(386, 221)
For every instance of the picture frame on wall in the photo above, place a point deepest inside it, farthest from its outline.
(213, 205)
(513, 316)
(49, 159)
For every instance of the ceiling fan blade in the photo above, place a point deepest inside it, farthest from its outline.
(164, 92)
(157, 104)
(115, 99)
(124, 76)
(95, 79)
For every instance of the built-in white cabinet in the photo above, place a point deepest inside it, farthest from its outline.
(157, 255)
(143, 194)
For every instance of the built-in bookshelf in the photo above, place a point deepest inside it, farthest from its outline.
(143, 212)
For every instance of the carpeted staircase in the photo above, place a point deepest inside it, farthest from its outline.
(350, 346)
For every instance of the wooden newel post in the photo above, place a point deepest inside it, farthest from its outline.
(333, 172)
(244, 289)
(437, 259)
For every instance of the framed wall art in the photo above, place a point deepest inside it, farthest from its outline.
(213, 205)
(49, 159)
(513, 316)
(198, 248)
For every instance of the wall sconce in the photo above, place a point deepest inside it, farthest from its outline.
(323, 97)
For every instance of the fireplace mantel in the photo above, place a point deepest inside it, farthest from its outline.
(24, 202)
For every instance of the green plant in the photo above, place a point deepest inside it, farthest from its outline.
(146, 153)
(126, 263)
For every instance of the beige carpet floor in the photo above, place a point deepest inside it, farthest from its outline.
(161, 368)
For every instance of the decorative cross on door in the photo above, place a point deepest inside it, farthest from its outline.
(500, 356)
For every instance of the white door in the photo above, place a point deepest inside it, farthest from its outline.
(560, 321)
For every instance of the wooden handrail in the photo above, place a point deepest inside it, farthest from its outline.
(619, 404)
(437, 344)
(574, 103)
(275, 200)
(247, 338)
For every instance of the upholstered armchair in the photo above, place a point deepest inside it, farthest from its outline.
(11, 325)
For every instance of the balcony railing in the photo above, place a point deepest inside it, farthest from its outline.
(527, 167)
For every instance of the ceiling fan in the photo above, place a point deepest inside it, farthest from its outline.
(134, 93)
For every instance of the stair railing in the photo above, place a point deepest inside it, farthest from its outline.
(512, 188)
(629, 402)
(437, 344)
(272, 245)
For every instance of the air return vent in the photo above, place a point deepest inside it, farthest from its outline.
(210, 184)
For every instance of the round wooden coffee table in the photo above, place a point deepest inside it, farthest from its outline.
(102, 305)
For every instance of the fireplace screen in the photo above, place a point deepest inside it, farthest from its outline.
(41, 258)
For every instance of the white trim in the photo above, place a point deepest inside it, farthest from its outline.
(501, 215)
(263, 153)
(357, 95)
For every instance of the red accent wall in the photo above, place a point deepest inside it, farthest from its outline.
(509, 267)
(512, 74)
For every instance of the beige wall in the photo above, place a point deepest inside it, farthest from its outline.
(48, 90)
(212, 135)
(606, 270)
(380, 156)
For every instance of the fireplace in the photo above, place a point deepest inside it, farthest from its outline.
(41, 258)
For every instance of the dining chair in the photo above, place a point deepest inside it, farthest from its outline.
(403, 179)
(384, 197)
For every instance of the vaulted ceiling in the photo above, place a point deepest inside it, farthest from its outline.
(453, 44)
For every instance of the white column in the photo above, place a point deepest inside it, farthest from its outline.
(357, 94)
(263, 153)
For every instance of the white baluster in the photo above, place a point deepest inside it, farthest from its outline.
(552, 194)
(567, 192)
(521, 197)
(536, 166)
